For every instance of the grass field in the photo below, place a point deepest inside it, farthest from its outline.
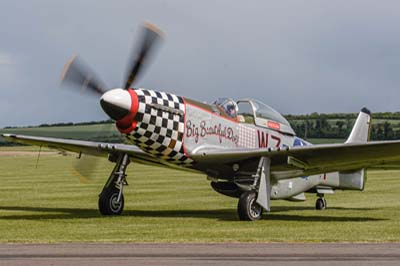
(101, 132)
(325, 140)
(49, 204)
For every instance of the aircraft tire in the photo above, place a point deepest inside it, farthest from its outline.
(108, 204)
(320, 204)
(248, 209)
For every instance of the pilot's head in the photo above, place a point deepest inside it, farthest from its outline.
(231, 110)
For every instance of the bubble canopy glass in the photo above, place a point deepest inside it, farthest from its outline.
(263, 115)
(262, 110)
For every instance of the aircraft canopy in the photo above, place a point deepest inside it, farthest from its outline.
(262, 110)
(258, 113)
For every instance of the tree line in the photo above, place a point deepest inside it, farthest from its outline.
(66, 124)
(385, 126)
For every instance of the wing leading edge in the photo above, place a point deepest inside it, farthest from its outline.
(87, 147)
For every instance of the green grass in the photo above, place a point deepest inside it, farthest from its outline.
(49, 204)
(325, 140)
(25, 148)
(94, 132)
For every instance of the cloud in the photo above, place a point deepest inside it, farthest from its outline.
(6, 59)
(297, 56)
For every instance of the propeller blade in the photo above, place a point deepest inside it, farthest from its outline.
(78, 74)
(151, 36)
(88, 166)
(85, 168)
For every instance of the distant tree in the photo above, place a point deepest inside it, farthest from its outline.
(340, 125)
(379, 131)
(387, 130)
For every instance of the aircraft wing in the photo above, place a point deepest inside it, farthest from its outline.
(86, 147)
(314, 159)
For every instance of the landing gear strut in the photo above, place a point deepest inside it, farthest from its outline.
(111, 198)
(320, 204)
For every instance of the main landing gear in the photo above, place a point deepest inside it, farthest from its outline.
(248, 209)
(320, 204)
(257, 196)
(111, 198)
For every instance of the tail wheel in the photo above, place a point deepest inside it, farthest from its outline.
(109, 203)
(248, 209)
(320, 204)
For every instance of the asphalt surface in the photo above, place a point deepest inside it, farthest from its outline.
(200, 254)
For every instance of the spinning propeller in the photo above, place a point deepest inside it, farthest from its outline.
(79, 75)
(116, 103)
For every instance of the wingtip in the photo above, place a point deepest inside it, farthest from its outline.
(366, 111)
(8, 135)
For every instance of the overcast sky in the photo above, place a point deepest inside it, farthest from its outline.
(297, 56)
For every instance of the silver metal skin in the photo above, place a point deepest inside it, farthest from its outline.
(264, 189)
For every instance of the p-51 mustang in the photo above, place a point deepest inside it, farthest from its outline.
(247, 149)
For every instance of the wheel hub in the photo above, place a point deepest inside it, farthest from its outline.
(255, 209)
(114, 203)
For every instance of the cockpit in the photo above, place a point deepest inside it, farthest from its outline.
(228, 105)
(254, 112)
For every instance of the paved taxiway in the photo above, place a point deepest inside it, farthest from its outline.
(200, 254)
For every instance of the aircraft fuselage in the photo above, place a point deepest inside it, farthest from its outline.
(173, 128)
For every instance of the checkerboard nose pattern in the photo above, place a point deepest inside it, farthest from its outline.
(160, 125)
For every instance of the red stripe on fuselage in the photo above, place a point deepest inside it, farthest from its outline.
(184, 128)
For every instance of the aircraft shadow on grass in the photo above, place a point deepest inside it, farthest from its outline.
(222, 214)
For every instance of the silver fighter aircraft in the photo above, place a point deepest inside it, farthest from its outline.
(245, 148)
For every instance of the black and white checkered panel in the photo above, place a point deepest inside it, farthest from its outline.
(159, 132)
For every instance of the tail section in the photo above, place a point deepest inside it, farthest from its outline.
(361, 129)
(359, 134)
